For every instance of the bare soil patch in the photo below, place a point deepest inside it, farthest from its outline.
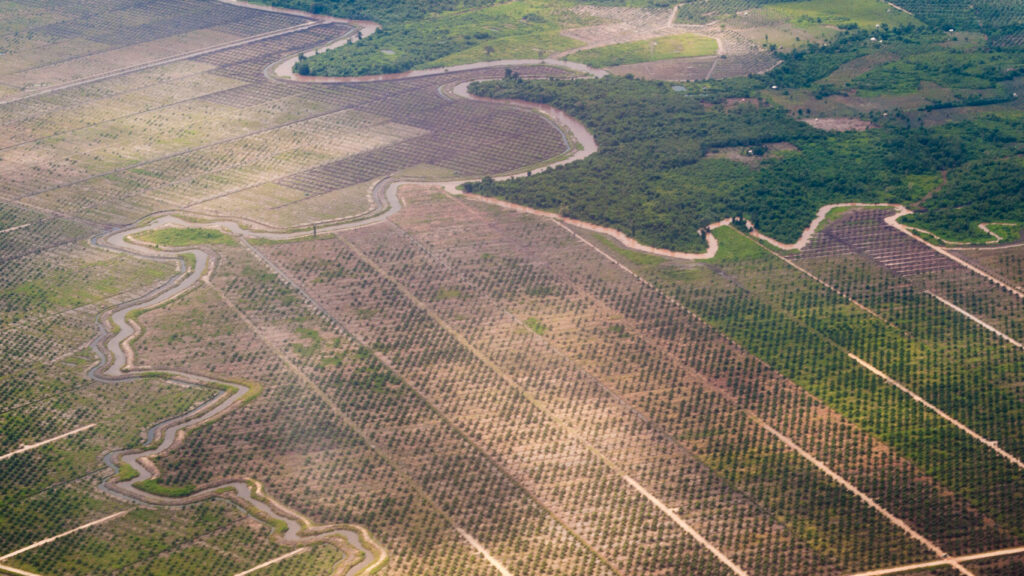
(838, 124)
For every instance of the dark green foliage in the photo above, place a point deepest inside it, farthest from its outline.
(645, 131)
(998, 16)
(398, 48)
(803, 67)
(651, 180)
(986, 191)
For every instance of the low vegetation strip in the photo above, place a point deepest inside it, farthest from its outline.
(662, 48)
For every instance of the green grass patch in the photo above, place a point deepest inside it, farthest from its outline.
(663, 48)
(126, 472)
(921, 184)
(944, 67)
(78, 284)
(448, 294)
(153, 486)
(536, 325)
(512, 29)
(1007, 230)
(273, 242)
(734, 245)
(307, 350)
(517, 47)
(176, 237)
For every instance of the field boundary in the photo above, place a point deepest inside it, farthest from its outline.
(42, 443)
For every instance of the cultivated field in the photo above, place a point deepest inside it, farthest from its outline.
(428, 383)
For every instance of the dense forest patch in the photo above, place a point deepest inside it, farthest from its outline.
(418, 35)
(652, 178)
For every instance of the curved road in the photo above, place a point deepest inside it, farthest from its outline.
(112, 346)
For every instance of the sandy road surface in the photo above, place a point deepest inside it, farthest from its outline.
(959, 425)
(976, 320)
(45, 541)
(13, 228)
(41, 443)
(902, 211)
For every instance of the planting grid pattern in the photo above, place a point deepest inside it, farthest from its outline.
(189, 134)
(865, 234)
(1006, 263)
(563, 373)
(461, 369)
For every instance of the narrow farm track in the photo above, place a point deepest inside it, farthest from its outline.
(273, 561)
(976, 320)
(959, 425)
(46, 541)
(343, 417)
(943, 562)
(483, 552)
(161, 62)
(18, 571)
(817, 463)
(567, 428)
(902, 211)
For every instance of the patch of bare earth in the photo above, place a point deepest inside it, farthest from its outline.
(838, 124)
